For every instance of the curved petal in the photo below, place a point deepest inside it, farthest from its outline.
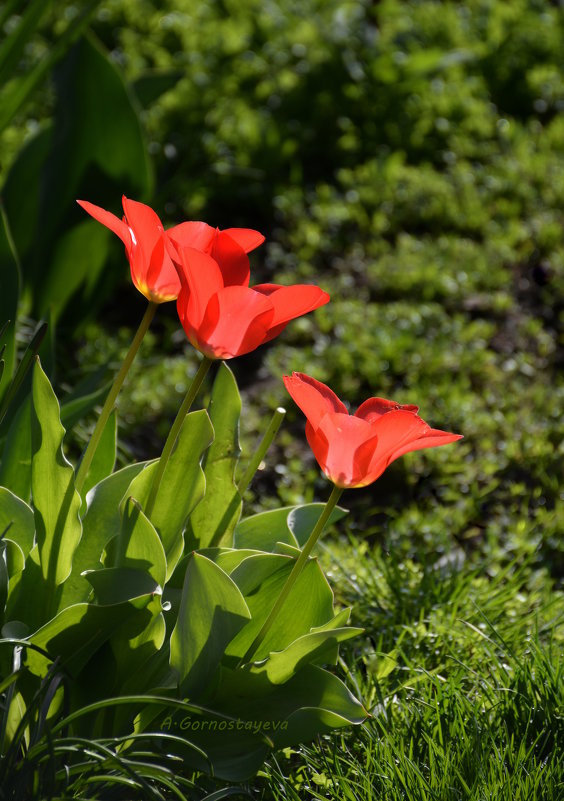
(290, 302)
(235, 322)
(200, 278)
(232, 259)
(144, 223)
(162, 278)
(245, 237)
(314, 398)
(197, 235)
(351, 443)
(373, 408)
(432, 438)
(108, 219)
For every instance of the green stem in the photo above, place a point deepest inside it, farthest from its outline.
(86, 461)
(193, 390)
(260, 453)
(296, 570)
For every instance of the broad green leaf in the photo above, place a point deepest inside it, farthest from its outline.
(302, 519)
(262, 531)
(309, 604)
(104, 458)
(138, 545)
(22, 368)
(78, 258)
(212, 612)
(290, 524)
(251, 572)
(56, 502)
(213, 520)
(311, 703)
(114, 585)
(77, 632)
(182, 487)
(320, 645)
(16, 520)
(101, 522)
(134, 650)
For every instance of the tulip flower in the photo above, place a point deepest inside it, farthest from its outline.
(354, 450)
(228, 248)
(223, 319)
(148, 249)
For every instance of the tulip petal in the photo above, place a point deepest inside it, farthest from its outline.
(290, 302)
(245, 237)
(432, 438)
(314, 398)
(108, 219)
(373, 408)
(161, 277)
(232, 260)
(201, 278)
(351, 443)
(143, 222)
(235, 322)
(197, 235)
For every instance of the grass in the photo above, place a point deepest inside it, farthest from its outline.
(463, 674)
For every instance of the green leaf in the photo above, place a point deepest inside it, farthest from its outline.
(182, 487)
(212, 611)
(77, 632)
(320, 645)
(56, 502)
(114, 585)
(23, 367)
(15, 468)
(138, 545)
(311, 703)
(309, 604)
(290, 524)
(215, 517)
(16, 520)
(104, 458)
(101, 522)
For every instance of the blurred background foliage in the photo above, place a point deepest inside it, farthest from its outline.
(407, 156)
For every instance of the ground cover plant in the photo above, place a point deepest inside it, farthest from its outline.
(407, 156)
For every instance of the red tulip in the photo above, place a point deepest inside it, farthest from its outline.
(223, 319)
(148, 249)
(354, 450)
(229, 248)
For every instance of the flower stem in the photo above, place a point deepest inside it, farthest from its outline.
(296, 570)
(86, 460)
(260, 453)
(193, 390)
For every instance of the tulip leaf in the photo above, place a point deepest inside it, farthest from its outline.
(16, 520)
(215, 517)
(101, 522)
(77, 632)
(56, 502)
(309, 604)
(15, 467)
(290, 524)
(182, 486)
(114, 585)
(311, 703)
(104, 458)
(212, 611)
(138, 545)
(319, 645)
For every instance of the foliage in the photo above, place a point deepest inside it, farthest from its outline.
(90, 582)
